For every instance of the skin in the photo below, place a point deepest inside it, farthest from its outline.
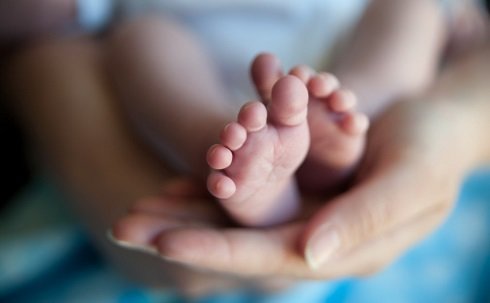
(379, 212)
(27, 19)
(140, 62)
(334, 123)
(388, 57)
(370, 253)
(117, 170)
(134, 44)
(250, 178)
(368, 247)
(158, 81)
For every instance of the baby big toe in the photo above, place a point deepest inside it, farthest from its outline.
(289, 102)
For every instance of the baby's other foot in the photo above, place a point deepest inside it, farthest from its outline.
(254, 165)
(337, 132)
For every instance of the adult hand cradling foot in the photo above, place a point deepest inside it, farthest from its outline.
(131, 112)
(419, 151)
(359, 231)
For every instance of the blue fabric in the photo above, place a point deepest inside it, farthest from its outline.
(45, 257)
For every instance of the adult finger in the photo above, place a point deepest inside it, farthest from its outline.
(274, 252)
(380, 252)
(184, 188)
(187, 209)
(379, 204)
(139, 230)
(149, 217)
(243, 251)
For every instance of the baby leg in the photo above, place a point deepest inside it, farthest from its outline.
(170, 89)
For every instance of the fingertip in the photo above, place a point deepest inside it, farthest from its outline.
(137, 231)
(321, 247)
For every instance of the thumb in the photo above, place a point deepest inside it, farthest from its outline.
(374, 207)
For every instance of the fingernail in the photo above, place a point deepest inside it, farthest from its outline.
(129, 245)
(322, 247)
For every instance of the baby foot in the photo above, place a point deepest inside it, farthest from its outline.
(337, 132)
(253, 167)
(337, 129)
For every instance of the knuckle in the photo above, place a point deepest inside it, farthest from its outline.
(374, 218)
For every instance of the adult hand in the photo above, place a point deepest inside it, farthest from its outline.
(407, 184)
(67, 108)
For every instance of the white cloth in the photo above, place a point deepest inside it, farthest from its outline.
(234, 31)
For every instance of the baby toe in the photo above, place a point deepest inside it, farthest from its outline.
(233, 136)
(323, 85)
(342, 101)
(220, 185)
(219, 157)
(253, 116)
(355, 123)
(265, 71)
(302, 72)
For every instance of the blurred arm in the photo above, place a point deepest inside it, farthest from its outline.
(27, 18)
